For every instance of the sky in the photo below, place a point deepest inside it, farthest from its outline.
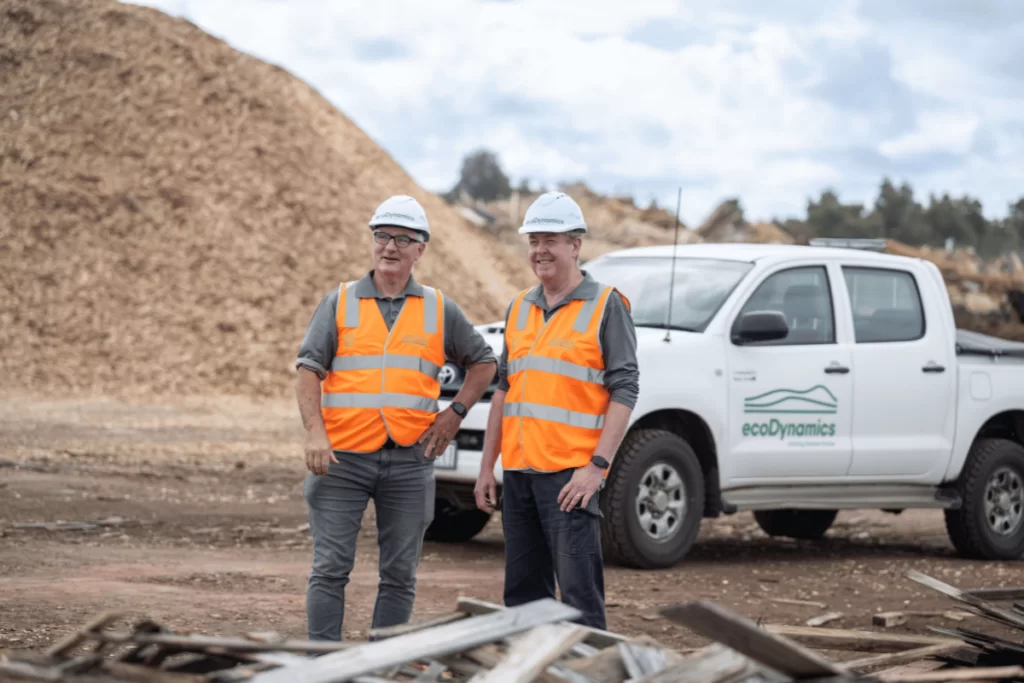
(768, 102)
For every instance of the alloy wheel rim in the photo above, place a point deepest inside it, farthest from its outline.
(661, 502)
(1004, 501)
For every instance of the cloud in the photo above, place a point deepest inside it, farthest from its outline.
(768, 102)
(949, 132)
(380, 49)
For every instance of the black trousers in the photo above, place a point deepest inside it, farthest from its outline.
(545, 546)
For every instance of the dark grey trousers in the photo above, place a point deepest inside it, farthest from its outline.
(401, 483)
(545, 546)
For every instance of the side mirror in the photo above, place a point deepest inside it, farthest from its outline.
(760, 326)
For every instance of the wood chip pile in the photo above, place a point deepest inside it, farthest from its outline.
(171, 209)
(485, 643)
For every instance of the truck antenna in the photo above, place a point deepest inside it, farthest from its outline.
(672, 279)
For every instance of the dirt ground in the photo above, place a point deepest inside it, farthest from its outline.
(202, 527)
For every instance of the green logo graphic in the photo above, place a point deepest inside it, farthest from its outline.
(817, 400)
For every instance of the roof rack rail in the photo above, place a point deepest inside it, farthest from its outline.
(867, 244)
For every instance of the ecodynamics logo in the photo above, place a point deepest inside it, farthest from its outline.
(817, 400)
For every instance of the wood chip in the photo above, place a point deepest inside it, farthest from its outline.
(802, 603)
(823, 619)
(889, 619)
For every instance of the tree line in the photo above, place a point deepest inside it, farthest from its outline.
(896, 213)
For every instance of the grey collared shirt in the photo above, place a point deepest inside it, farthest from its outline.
(617, 335)
(462, 343)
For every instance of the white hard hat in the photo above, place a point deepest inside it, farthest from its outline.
(402, 211)
(553, 212)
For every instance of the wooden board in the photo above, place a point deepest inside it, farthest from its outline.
(990, 610)
(742, 635)
(402, 629)
(595, 636)
(966, 674)
(433, 643)
(860, 641)
(904, 657)
(714, 664)
(532, 654)
(996, 593)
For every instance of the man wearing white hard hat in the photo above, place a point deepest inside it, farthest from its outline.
(567, 384)
(368, 391)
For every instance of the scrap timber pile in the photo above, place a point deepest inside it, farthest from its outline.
(485, 643)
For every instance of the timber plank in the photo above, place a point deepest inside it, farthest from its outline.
(436, 642)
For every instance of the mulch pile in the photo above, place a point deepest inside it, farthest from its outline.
(171, 210)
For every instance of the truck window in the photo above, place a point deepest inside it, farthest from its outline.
(886, 305)
(803, 296)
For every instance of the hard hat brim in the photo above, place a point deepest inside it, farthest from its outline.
(527, 229)
(425, 234)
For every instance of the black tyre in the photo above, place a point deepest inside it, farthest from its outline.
(452, 525)
(807, 525)
(653, 502)
(990, 523)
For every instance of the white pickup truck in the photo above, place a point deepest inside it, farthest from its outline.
(792, 381)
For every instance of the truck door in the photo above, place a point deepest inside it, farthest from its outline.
(904, 373)
(789, 399)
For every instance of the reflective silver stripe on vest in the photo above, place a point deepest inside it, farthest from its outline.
(524, 312)
(400, 362)
(558, 367)
(430, 310)
(351, 306)
(586, 314)
(552, 414)
(385, 400)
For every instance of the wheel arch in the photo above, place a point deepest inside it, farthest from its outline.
(1009, 425)
(695, 430)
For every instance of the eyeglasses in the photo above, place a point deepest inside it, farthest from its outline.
(401, 241)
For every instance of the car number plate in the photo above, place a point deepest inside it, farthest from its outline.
(449, 459)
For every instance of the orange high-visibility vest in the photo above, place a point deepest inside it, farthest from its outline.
(383, 383)
(555, 405)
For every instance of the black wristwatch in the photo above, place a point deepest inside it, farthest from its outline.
(600, 462)
(459, 409)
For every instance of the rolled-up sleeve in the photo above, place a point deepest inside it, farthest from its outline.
(462, 342)
(320, 343)
(618, 343)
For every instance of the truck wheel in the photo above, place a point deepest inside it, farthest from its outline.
(654, 501)
(807, 525)
(452, 525)
(990, 523)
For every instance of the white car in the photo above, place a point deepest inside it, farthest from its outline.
(793, 381)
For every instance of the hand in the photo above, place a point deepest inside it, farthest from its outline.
(319, 454)
(486, 491)
(441, 433)
(581, 488)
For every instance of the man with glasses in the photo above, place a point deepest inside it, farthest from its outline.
(367, 390)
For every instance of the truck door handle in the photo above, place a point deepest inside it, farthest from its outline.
(837, 370)
(933, 367)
